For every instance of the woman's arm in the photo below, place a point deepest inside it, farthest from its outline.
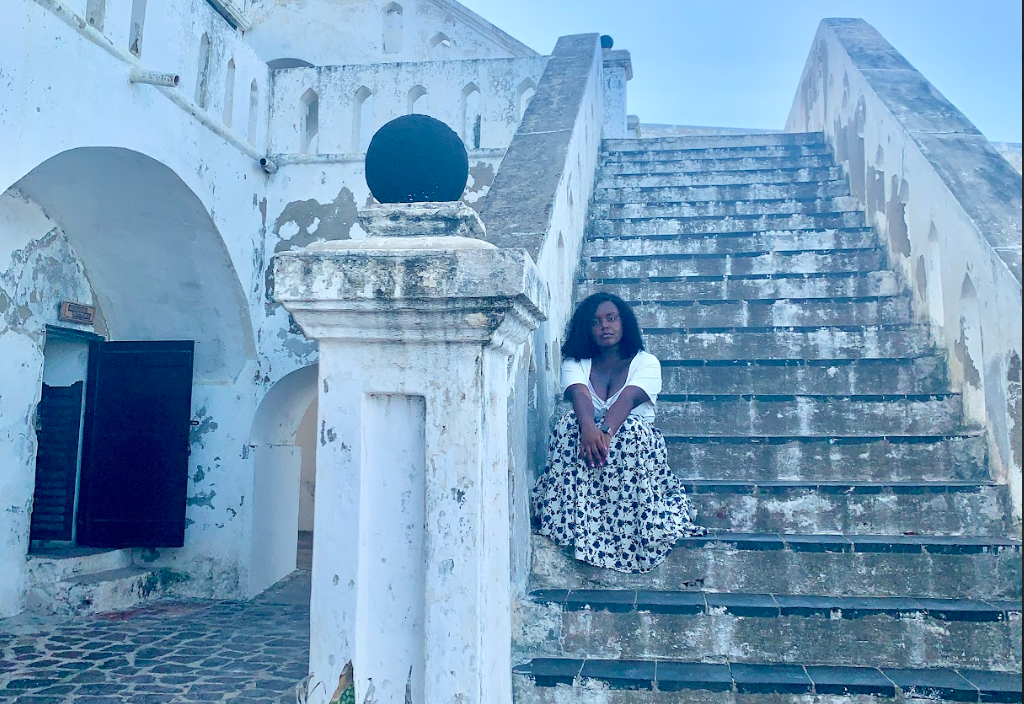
(629, 398)
(593, 443)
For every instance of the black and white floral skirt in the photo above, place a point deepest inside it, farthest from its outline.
(625, 516)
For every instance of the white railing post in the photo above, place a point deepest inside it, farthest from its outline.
(416, 324)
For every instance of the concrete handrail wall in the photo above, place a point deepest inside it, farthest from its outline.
(947, 206)
(539, 202)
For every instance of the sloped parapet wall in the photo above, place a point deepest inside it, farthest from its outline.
(947, 205)
(538, 201)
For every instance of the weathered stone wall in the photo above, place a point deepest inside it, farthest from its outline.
(38, 269)
(539, 201)
(436, 88)
(947, 205)
(154, 208)
(328, 32)
(617, 70)
(1011, 151)
(315, 195)
(153, 198)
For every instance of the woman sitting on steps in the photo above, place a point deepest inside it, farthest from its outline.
(607, 489)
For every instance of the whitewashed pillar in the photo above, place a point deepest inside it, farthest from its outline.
(416, 324)
(616, 70)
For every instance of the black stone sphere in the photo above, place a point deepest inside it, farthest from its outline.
(607, 42)
(416, 159)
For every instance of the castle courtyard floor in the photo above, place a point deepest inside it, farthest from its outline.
(163, 653)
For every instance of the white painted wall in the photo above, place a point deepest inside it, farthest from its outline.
(410, 568)
(66, 360)
(617, 69)
(305, 439)
(152, 204)
(276, 502)
(160, 154)
(341, 88)
(963, 284)
(329, 32)
(40, 269)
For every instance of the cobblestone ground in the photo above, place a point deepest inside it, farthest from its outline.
(164, 653)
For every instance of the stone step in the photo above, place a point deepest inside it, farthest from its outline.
(109, 590)
(806, 262)
(790, 343)
(858, 377)
(809, 416)
(852, 508)
(709, 244)
(751, 192)
(757, 139)
(752, 628)
(596, 681)
(698, 165)
(855, 565)
(883, 458)
(766, 175)
(646, 226)
(750, 288)
(720, 153)
(807, 312)
(54, 565)
(725, 208)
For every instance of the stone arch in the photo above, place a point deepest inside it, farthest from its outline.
(153, 254)
(254, 112)
(283, 452)
(932, 292)
(203, 74)
(394, 28)
(416, 103)
(439, 43)
(229, 93)
(96, 13)
(138, 22)
(362, 119)
(524, 94)
(969, 352)
(309, 106)
(472, 116)
(288, 62)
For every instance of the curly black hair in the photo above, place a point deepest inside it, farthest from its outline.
(579, 342)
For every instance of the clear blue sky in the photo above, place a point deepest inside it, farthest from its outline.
(736, 63)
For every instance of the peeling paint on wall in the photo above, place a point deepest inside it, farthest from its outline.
(203, 425)
(896, 215)
(1013, 405)
(204, 499)
(921, 277)
(314, 221)
(481, 176)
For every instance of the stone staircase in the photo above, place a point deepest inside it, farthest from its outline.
(858, 549)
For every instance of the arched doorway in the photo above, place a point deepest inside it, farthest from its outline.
(284, 441)
(118, 231)
(157, 263)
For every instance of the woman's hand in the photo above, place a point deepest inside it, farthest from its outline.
(594, 445)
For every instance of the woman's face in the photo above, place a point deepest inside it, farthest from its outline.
(606, 328)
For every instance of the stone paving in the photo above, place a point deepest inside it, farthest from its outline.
(164, 653)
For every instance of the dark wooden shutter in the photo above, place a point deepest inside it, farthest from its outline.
(59, 422)
(135, 452)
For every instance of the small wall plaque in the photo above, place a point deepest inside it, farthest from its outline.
(77, 313)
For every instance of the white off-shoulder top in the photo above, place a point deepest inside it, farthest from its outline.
(644, 373)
